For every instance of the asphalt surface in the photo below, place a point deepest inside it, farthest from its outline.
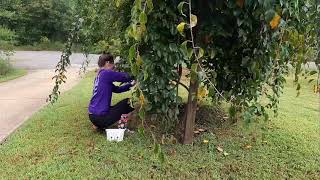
(47, 59)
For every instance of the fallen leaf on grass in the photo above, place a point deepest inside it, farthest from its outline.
(196, 132)
(163, 139)
(172, 152)
(225, 154)
(205, 141)
(248, 146)
(201, 130)
(219, 149)
(173, 140)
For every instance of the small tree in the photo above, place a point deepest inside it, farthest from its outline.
(236, 51)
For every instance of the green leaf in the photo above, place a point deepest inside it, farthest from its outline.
(190, 53)
(194, 74)
(156, 149)
(313, 72)
(141, 131)
(143, 18)
(184, 49)
(266, 116)
(139, 60)
(161, 157)
(133, 32)
(269, 15)
(310, 80)
(200, 53)
(194, 67)
(211, 91)
(180, 27)
(232, 112)
(201, 75)
(134, 69)
(142, 114)
(180, 7)
(150, 5)
(118, 3)
(212, 53)
(132, 52)
(184, 45)
(193, 20)
(145, 75)
(172, 47)
(138, 4)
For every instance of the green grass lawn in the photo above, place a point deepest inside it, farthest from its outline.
(58, 142)
(15, 73)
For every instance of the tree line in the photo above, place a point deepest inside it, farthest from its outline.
(25, 22)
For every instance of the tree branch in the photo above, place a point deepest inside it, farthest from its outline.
(183, 85)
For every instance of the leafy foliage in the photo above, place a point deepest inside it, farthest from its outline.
(245, 48)
(64, 62)
(7, 38)
(5, 67)
(103, 25)
(34, 19)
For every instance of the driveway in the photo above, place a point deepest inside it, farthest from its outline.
(21, 97)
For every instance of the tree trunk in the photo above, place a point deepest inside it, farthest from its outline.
(190, 112)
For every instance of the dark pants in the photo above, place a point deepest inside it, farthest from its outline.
(114, 114)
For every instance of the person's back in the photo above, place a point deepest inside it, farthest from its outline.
(101, 113)
(103, 88)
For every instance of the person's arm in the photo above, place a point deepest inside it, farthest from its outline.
(120, 89)
(120, 77)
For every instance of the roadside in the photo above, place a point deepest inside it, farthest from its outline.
(21, 97)
(15, 73)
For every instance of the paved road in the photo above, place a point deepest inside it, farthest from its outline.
(21, 97)
(47, 59)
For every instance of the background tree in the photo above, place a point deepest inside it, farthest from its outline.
(34, 19)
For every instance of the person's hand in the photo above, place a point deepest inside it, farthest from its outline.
(133, 82)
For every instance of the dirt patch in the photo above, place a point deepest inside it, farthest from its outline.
(212, 117)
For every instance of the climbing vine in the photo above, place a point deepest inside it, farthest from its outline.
(64, 63)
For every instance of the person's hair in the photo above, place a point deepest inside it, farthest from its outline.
(105, 57)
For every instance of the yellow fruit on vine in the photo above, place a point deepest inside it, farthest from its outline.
(202, 92)
(274, 23)
(141, 100)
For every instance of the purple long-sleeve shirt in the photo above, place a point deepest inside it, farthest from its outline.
(102, 91)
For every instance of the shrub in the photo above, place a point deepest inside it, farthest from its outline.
(7, 40)
(6, 35)
(5, 67)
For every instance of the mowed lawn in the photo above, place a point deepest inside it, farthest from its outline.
(58, 143)
(15, 73)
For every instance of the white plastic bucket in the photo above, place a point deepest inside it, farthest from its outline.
(115, 134)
